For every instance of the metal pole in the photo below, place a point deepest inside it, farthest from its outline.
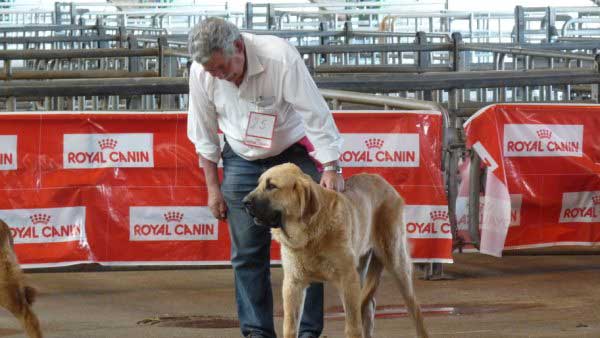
(526, 89)
(596, 86)
(249, 15)
(519, 25)
(269, 18)
(501, 90)
(11, 103)
(458, 64)
(134, 65)
(423, 60)
(168, 68)
(474, 190)
(550, 22)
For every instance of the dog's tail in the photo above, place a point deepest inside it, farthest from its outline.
(20, 306)
(30, 322)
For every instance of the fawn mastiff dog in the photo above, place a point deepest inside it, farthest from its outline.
(331, 236)
(15, 295)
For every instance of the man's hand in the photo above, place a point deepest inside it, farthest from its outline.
(332, 180)
(216, 204)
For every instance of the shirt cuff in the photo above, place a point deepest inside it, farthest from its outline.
(327, 155)
(211, 156)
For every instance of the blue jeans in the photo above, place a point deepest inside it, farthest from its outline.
(250, 246)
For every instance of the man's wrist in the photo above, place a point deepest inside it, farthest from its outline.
(213, 188)
(332, 166)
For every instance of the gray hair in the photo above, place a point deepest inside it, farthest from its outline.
(210, 35)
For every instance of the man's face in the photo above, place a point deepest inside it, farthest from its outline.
(228, 68)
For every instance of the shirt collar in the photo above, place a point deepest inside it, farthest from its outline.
(252, 62)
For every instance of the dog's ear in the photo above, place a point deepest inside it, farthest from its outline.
(5, 237)
(310, 200)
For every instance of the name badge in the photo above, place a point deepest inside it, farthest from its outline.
(259, 132)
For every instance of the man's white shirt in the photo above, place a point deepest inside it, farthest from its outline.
(276, 82)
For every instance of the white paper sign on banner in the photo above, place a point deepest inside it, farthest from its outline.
(543, 140)
(580, 206)
(380, 150)
(86, 151)
(48, 225)
(172, 223)
(8, 152)
(427, 221)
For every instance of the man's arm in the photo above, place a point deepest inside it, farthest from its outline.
(216, 202)
(302, 93)
(202, 132)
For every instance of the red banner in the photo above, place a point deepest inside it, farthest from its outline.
(543, 175)
(126, 189)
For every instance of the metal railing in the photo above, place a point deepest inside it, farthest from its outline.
(451, 82)
(524, 24)
(556, 73)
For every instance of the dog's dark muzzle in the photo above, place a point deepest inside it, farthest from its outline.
(261, 211)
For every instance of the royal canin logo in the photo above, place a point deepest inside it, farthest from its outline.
(49, 225)
(424, 221)
(173, 216)
(439, 215)
(107, 143)
(40, 219)
(380, 150)
(82, 151)
(172, 223)
(544, 134)
(542, 140)
(580, 206)
(374, 143)
(516, 200)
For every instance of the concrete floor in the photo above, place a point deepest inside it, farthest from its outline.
(533, 296)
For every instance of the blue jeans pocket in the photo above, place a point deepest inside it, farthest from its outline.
(227, 152)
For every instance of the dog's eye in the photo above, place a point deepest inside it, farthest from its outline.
(270, 186)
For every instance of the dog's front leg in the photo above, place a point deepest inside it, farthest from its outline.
(349, 287)
(293, 293)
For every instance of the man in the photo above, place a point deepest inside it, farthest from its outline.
(258, 92)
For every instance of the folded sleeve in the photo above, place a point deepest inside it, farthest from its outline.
(202, 125)
(302, 93)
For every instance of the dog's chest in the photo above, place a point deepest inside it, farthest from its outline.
(313, 267)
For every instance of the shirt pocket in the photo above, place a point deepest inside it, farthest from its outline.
(267, 105)
(227, 152)
(265, 101)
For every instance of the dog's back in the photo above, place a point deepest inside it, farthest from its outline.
(371, 194)
(15, 295)
(357, 185)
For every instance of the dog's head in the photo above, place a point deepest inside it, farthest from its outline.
(284, 195)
